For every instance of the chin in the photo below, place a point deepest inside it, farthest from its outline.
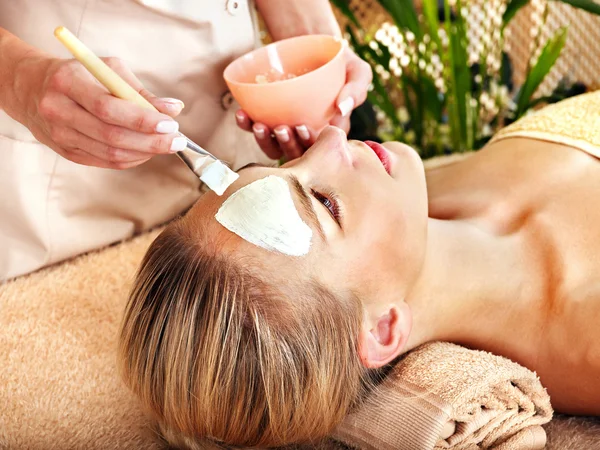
(406, 162)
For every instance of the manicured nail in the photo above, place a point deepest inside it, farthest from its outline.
(259, 132)
(303, 132)
(346, 106)
(282, 135)
(174, 101)
(239, 116)
(178, 144)
(167, 127)
(173, 105)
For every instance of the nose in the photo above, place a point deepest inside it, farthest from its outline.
(333, 139)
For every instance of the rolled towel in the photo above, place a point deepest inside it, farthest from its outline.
(444, 396)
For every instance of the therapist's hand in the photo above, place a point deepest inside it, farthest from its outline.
(292, 142)
(73, 114)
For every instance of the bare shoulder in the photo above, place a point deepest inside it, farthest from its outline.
(509, 163)
(509, 177)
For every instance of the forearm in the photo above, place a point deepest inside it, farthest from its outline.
(14, 55)
(290, 18)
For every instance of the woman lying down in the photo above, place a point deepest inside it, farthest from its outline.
(263, 316)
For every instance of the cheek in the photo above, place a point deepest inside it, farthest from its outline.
(391, 242)
(408, 231)
(376, 276)
(377, 252)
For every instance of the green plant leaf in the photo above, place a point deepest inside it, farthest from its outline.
(562, 91)
(379, 56)
(354, 42)
(587, 5)
(540, 69)
(430, 11)
(511, 9)
(506, 71)
(344, 7)
(449, 64)
(404, 14)
(434, 104)
(382, 99)
(386, 55)
(417, 110)
(461, 82)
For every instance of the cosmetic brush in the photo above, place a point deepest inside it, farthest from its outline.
(216, 175)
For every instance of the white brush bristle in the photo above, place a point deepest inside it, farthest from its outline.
(218, 177)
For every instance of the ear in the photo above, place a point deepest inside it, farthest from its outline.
(387, 338)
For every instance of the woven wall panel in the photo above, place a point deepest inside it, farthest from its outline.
(580, 60)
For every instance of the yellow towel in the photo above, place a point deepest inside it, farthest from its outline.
(443, 396)
(574, 122)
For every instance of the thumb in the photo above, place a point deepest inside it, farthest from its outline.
(170, 106)
(358, 79)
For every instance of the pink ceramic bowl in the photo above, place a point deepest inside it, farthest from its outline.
(290, 82)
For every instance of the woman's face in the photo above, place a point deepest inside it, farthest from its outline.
(367, 208)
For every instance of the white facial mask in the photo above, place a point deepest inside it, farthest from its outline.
(263, 213)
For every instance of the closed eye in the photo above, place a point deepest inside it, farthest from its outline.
(330, 202)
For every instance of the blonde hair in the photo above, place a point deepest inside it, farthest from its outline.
(214, 351)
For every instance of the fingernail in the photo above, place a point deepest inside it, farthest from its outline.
(346, 106)
(259, 132)
(303, 132)
(239, 116)
(178, 144)
(167, 127)
(282, 135)
(173, 105)
(174, 101)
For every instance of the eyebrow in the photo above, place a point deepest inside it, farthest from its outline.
(307, 204)
(252, 164)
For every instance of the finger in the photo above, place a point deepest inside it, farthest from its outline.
(92, 96)
(288, 143)
(169, 106)
(83, 157)
(306, 136)
(243, 120)
(341, 122)
(106, 152)
(73, 139)
(358, 79)
(68, 114)
(86, 158)
(266, 142)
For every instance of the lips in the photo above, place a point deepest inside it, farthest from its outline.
(382, 154)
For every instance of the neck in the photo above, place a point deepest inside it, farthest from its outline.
(471, 288)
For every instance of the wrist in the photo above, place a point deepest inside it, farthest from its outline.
(23, 66)
(298, 17)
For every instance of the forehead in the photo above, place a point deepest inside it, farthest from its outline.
(202, 218)
(209, 203)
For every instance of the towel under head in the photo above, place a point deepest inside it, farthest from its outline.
(443, 396)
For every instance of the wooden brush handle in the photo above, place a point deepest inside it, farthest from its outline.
(98, 68)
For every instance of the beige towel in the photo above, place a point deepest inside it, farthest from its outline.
(443, 396)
